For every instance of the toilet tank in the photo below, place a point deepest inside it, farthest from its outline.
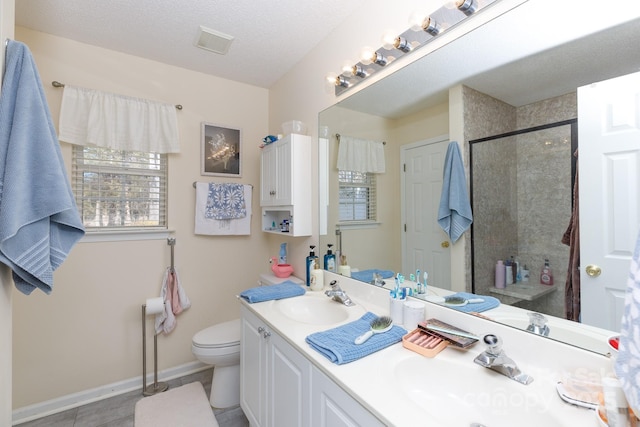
(270, 279)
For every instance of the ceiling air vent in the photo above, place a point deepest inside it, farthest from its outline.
(212, 40)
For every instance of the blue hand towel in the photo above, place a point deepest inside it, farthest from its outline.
(337, 344)
(225, 201)
(39, 220)
(282, 290)
(367, 275)
(476, 307)
(454, 213)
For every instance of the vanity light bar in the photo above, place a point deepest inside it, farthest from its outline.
(445, 17)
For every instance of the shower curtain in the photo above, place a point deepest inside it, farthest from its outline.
(571, 238)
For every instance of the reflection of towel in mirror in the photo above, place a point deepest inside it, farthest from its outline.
(627, 365)
(454, 214)
(175, 301)
(39, 220)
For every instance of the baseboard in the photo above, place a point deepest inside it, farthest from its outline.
(63, 403)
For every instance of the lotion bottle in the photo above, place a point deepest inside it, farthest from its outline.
(546, 275)
(317, 277)
(508, 272)
(311, 262)
(330, 260)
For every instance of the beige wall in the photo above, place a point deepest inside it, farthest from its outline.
(87, 332)
(6, 285)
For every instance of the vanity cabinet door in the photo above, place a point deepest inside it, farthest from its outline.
(289, 385)
(253, 364)
(333, 407)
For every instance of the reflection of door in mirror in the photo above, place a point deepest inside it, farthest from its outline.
(424, 241)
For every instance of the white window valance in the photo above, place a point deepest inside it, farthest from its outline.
(91, 117)
(360, 155)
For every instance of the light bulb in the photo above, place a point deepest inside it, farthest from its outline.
(368, 55)
(389, 39)
(415, 20)
(347, 69)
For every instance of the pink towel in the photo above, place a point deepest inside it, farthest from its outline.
(175, 302)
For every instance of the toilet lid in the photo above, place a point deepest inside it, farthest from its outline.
(221, 335)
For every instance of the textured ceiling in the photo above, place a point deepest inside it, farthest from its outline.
(270, 36)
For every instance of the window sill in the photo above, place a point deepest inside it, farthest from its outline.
(358, 225)
(129, 235)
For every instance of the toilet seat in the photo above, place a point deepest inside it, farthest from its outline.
(225, 334)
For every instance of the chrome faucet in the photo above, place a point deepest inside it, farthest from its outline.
(538, 324)
(495, 359)
(338, 294)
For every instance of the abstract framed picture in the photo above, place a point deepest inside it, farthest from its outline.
(220, 149)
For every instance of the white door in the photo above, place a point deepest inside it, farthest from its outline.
(609, 177)
(425, 245)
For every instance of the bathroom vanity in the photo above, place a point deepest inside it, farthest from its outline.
(286, 382)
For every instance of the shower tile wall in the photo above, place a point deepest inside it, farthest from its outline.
(525, 208)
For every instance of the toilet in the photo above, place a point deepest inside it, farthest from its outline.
(219, 345)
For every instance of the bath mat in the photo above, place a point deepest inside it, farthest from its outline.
(185, 406)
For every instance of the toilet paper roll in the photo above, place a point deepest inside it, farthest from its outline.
(155, 305)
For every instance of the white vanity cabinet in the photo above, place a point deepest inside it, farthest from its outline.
(275, 379)
(279, 386)
(285, 185)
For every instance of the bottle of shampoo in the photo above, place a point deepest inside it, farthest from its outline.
(312, 259)
(500, 275)
(508, 272)
(330, 260)
(317, 277)
(546, 275)
(282, 259)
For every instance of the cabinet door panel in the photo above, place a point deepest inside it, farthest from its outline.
(252, 371)
(289, 380)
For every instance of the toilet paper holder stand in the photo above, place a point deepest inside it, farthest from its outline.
(156, 387)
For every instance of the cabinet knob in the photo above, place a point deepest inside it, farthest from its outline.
(260, 329)
(266, 334)
(272, 192)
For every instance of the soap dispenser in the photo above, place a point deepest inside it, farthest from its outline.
(316, 281)
(312, 259)
(546, 275)
(330, 260)
(344, 269)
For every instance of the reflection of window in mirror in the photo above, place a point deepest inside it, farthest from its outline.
(357, 196)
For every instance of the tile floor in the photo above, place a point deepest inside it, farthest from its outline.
(117, 411)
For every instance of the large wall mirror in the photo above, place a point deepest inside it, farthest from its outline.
(499, 78)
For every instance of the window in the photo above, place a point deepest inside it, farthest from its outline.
(357, 196)
(120, 190)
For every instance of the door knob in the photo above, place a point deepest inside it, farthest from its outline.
(445, 244)
(593, 270)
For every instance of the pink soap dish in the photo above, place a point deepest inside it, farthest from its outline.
(424, 343)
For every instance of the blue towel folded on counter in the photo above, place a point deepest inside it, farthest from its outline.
(476, 307)
(337, 344)
(282, 290)
(367, 275)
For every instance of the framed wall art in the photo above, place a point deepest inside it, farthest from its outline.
(220, 149)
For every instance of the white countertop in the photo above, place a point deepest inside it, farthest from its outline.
(375, 383)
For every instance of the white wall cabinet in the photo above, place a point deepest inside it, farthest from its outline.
(285, 185)
(281, 387)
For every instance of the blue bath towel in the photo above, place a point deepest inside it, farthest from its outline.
(454, 213)
(476, 307)
(39, 220)
(367, 275)
(337, 344)
(282, 290)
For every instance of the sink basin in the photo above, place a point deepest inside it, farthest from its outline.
(460, 395)
(313, 309)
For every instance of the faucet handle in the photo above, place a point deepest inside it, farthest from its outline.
(493, 343)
